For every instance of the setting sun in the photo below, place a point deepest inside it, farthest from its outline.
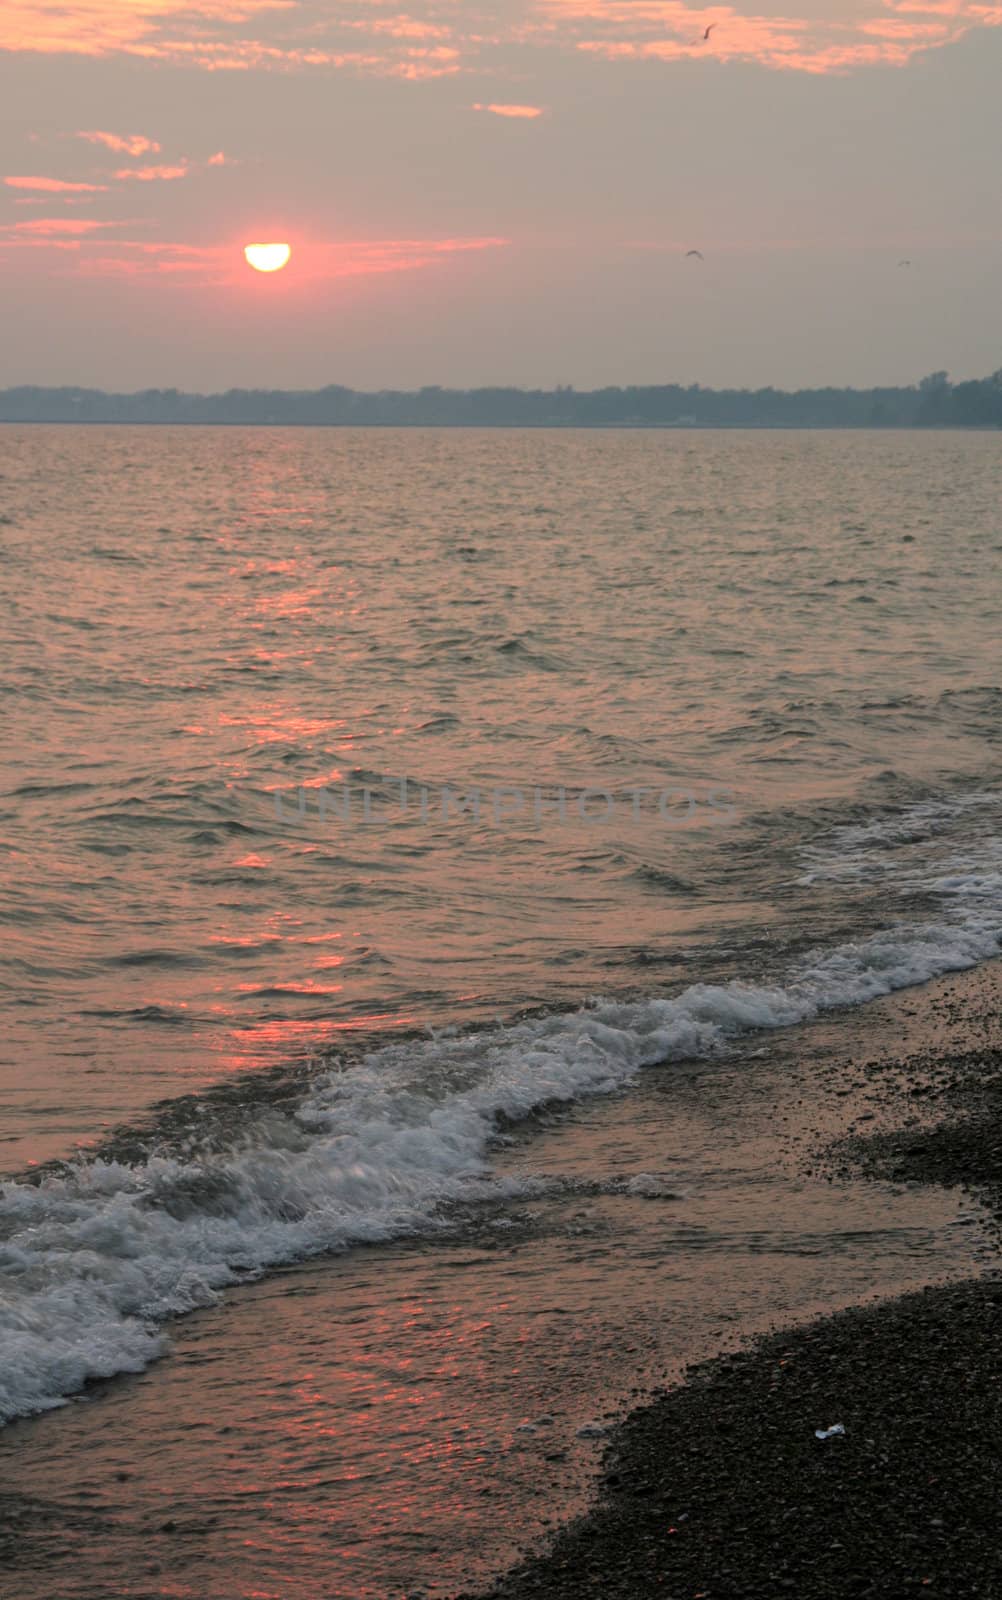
(267, 257)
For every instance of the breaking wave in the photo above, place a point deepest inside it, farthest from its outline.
(97, 1257)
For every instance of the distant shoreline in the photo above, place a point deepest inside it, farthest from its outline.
(517, 427)
(935, 402)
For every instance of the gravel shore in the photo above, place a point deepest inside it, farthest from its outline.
(720, 1490)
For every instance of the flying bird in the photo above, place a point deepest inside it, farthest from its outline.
(698, 253)
(904, 263)
(709, 30)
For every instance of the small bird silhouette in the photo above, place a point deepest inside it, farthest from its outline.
(698, 253)
(709, 30)
(904, 263)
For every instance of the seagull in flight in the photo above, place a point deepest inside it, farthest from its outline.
(698, 253)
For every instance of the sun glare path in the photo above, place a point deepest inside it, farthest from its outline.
(267, 257)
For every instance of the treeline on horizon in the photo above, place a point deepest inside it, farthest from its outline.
(935, 402)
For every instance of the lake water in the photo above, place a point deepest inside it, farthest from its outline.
(365, 792)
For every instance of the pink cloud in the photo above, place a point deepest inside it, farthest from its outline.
(316, 262)
(361, 257)
(225, 35)
(429, 39)
(38, 244)
(106, 27)
(670, 30)
(510, 111)
(154, 174)
(55, 186)
(60, 224)
(137, 266)
(132, 144)
(399, 27)
(45, 200)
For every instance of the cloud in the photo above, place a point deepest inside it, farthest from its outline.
(316, 261)
(430, 39)
(510, 111)
(106, 27)
(363, 257)
(75, 193)
(37, 244)
(55, 186)
(670, 30)
(153, 174)
(45, 200)
(236, 35)
(59, 225)
(131, 144)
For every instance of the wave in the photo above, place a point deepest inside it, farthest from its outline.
(858, 848)
(97, 1257)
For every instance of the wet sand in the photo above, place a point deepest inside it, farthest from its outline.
(720, 1488)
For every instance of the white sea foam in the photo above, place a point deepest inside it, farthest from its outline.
(94, 1261)
(885, 845)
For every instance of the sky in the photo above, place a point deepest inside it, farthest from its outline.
(499, 192)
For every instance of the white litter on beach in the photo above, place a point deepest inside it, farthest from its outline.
(829, 1433)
